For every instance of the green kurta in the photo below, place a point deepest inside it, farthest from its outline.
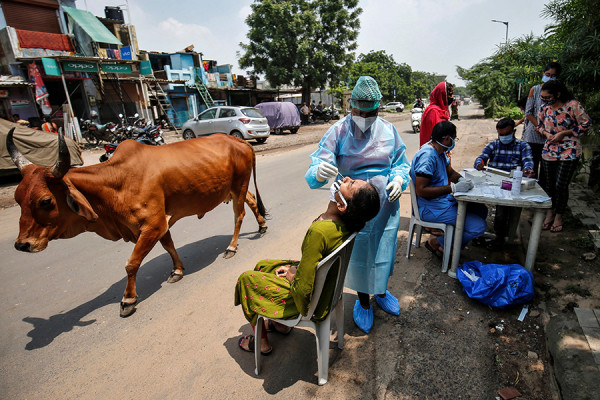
(261, 291)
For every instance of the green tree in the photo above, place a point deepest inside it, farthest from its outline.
(393, 77)
(384, 69)
(301, 42)
(494, 80)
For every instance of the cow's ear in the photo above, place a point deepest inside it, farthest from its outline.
(78, 203)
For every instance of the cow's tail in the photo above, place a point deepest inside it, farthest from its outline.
(259, 204)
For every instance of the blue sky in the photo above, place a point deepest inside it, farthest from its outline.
(429, 35)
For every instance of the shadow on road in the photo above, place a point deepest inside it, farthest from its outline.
(154, 273)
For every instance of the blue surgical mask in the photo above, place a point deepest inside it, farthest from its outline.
(507, 139)
(448, 148)
(547, 78)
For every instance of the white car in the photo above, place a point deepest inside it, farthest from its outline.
(244, 122)
(393, 106)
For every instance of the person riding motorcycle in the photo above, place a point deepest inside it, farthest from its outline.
(419, 104)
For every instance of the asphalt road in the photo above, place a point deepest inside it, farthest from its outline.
(62, 336)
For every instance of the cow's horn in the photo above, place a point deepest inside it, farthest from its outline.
(63, 163)
(20, 161)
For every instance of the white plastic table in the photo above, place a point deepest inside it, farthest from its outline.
(490, 193)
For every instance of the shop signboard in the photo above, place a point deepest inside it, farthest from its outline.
(116, 68)
(146, 68)
(50, 66)
(79, 66)
(126, 53)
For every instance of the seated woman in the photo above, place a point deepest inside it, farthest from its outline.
(282, 289)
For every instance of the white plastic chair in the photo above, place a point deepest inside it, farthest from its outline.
(415, 219)
(340, 256)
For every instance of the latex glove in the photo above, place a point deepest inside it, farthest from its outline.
(462, 186)
(395, 188)
(326, 171)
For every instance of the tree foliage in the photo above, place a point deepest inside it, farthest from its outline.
(392, 76)
(301, 42)
(494, 81)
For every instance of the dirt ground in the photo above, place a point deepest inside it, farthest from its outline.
(445, 345)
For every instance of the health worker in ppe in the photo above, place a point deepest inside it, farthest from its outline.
(436, 182)
(365, 146)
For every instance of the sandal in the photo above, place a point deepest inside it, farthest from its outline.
(556, 228)
(272, 328)
(435, 232)
(547, 226)
(435, 252)
(250, 348)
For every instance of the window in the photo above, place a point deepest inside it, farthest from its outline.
(208, 114)
(227, 113)
(252, 113)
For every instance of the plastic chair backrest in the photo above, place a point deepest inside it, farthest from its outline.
(413, 200)
(340, 256)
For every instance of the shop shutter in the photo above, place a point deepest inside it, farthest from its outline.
(31, 17)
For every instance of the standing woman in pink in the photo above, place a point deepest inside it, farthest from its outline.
(562, 122)
(437, 110)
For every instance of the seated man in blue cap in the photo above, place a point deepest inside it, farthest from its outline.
(365, 146)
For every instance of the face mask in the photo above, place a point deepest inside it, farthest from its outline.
(448, 148)
(363, 123)
(547, 78)
(335, 188)
(506, 139)
(549, 102)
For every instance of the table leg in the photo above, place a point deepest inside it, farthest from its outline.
(534, 237)
(513, 223)
(458, 234)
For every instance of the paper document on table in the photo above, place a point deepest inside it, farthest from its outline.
(536, 198)
(487, 191)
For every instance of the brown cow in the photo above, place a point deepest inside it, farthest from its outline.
(136, 196)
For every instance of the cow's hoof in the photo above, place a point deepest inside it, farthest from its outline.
(229, 253)
(174, 277)
(262, 229)
(127, 309)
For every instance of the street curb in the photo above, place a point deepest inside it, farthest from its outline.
(573, 365)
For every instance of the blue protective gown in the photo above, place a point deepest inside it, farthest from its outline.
(376, 156)
(443, 209)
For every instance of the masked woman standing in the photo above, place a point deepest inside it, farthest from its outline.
(562, 122)
(365, 146)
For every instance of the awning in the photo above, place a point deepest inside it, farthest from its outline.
(91, 25)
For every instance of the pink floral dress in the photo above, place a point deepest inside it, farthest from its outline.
(570, 116)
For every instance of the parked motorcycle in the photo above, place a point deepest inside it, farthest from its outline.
(415, 117)
(151, 135)
(94, 133)
(324, 115)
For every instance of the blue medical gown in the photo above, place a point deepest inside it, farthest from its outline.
(430, 163)
(376, 156)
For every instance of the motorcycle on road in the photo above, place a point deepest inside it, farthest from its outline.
(415, 116)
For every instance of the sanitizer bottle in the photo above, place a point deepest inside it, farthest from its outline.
(516, 184)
